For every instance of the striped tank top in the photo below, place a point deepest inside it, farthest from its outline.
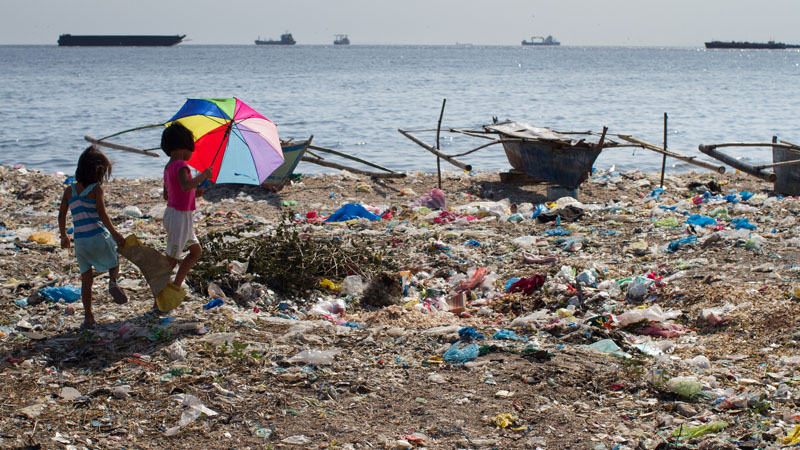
(84, 213)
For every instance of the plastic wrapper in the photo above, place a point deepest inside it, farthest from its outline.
(315, 357)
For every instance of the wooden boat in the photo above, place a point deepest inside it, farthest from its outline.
(292, 153)
(561, 158)
(547, 155)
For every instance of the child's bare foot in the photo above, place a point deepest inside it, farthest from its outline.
(88, 323)
(117, 293)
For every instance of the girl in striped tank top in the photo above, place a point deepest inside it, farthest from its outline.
(95, 246)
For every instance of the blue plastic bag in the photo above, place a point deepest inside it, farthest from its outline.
(508, 334)
(213, 303)
(351, 211)
(461, 355)
(468, 333)
(675, 245)
(540, 209)
(67, 293)
(558, 231)
(701, 220)
(742, 222)
(746, 195)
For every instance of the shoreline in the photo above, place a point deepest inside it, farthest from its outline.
(733, 334)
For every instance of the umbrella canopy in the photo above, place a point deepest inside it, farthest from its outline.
(238, 143)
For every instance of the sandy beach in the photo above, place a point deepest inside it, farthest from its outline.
(628, 318)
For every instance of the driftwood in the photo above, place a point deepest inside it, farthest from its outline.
(431, 149)
(679, 156)
(125, 148)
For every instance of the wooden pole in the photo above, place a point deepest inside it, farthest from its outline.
(664, 158)
(438, 130)
(125, 148)
(427, 147)
(711, 150)
(345, 155)
(685, 158)
(333, 165)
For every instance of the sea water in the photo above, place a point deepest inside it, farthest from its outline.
(354, 98)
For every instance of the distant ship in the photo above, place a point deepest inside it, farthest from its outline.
(69, 40)
(341, 39)
(286, 39)
(538, 40)
(753, 45)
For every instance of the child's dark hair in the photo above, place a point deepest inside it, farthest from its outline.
(176, 137)
(93, 167)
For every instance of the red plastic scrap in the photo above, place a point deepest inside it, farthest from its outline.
(528, 285)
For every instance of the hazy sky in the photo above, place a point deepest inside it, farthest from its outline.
(436, 22)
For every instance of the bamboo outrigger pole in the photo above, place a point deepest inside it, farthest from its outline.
(429, 148)
(711, 150)
(333, 165)
(125, 148)
(685, 158)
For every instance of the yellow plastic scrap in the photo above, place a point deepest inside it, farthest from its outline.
(410, 305)
(363, 187)
(793, 438)
(43, 237)
(326, 283)
(504, 420)
(132, 241)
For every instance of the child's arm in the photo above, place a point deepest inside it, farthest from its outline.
(62, 217)
(101, 211)
(165, 190)
(188, 183)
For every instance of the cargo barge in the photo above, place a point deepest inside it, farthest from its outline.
(771, 45)
(69, 40)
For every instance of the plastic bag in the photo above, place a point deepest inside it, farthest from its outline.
(330, 308)
(686, 387)
(67, 293)
(352, 285)
(315, 357)
(693, 432)
(701, 220)
(434, 199)
(461, 355)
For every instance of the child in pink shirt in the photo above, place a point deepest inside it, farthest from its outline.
(180, 190)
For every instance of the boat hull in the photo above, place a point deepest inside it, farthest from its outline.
(553, 162)
(68, 40)
(750, 45)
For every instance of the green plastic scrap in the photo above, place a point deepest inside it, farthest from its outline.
(711, 427)
(669, 222)
(608, 346)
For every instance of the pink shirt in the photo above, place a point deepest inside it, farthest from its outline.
(176, 198)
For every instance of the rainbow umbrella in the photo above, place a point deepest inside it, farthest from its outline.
(238, 143)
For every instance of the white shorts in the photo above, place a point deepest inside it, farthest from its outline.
(180, 231)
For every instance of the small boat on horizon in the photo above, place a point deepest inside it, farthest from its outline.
(771, 45)
(539, 40)
(341, 39)
(70, 40)
(286, 39)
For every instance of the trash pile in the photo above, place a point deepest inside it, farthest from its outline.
(350, 313)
